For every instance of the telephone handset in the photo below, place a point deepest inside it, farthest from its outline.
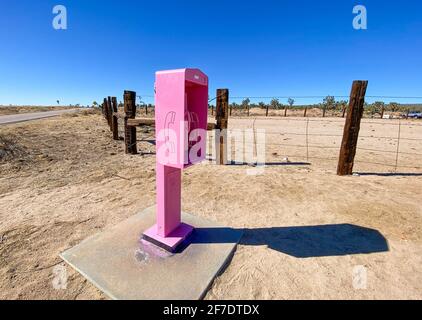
(193, 121)
(169, 122)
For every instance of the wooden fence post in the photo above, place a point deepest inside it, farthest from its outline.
(115, 119)
(114, 104)
(285, 110)
(323, 111)
(110, 113)
(306, 110)
(221, 117)
(105, 109)
(266, 111)
(344, 112)
(107, 112)
(231, 107)
(398, 147)
(130, 113)
(307, 139)
(351, 128)
(382, 112)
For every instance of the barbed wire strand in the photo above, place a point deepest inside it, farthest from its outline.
(310, 146)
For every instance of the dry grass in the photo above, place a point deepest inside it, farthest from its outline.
(92, 111)
(11, 149)
(8, 110)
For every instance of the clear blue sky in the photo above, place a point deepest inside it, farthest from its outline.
(259, 48)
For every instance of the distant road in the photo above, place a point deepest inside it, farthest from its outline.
(21, 117)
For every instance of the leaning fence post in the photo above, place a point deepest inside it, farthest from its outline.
(130, 113)
(110, 113)
(115, 119)
(398, 147)
(307, 139)
(351, 128)
(382, 112)
(221, 117)
(304, 112)
(107, 111)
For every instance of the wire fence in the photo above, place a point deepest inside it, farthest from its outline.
(308, 146)
(299, 140)
(393, 144)
(148, 98)
(377, 106)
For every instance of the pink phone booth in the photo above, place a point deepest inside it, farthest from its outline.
(181, 103)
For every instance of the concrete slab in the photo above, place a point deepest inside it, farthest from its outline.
(123, 266)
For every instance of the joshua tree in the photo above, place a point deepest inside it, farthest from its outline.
(342, 106)
(394, 106)
(275, 104)
(58, 102)
(261, 105)
(291, 102)
(245, 104)
(95, 103)
(379, 107)
(329, 102)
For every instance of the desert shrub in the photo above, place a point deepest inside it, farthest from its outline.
(88, 112)
(10, 148)
(70, 115)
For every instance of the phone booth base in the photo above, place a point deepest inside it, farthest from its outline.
(169, 232)
(172, 242)
(124, 267)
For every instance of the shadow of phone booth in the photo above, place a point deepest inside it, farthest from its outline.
(181, 102)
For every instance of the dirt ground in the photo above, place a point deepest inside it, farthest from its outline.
(306, 230)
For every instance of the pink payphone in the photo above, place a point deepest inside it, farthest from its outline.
(181, 104)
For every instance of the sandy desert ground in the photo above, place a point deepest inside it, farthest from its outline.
(306, 230)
